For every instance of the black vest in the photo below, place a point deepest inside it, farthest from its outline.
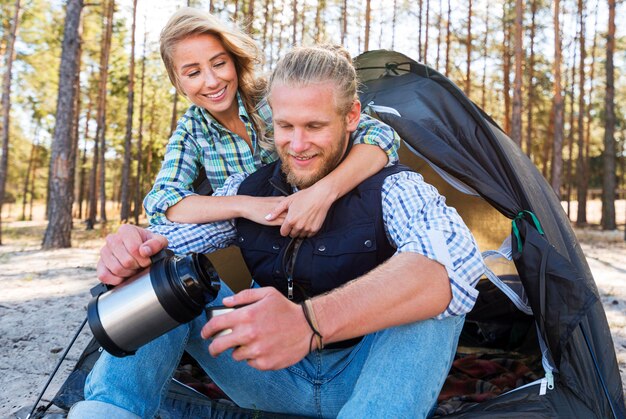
(351, 242)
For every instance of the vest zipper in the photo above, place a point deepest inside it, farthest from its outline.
(289, 263)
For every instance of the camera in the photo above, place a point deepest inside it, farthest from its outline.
(172, 292)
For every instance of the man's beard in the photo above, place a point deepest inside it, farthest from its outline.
(330, 159)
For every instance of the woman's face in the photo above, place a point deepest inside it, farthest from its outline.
(207, 74)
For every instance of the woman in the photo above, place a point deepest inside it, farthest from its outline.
(228, 130)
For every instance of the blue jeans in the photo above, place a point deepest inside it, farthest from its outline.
(396, 372)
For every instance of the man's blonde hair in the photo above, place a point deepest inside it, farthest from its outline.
(244, 51)
(303, 66)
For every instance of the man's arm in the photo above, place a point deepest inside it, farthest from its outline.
(407, 288)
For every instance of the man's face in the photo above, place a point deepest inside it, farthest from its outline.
(311, 135)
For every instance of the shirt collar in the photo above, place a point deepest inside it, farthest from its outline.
(243, 114)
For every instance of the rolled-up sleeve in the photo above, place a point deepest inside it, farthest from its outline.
(202, 238)
(175, 179)
(418, 220)
(374, 132)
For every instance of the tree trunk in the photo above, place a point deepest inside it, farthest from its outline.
(468, 41)
(6, 105)
(608, 154)
(59, 230)
(344, 21)
(557, 105)
(294, 21)
(448, 40)
(483, 95)
(394, 18)
(29, 170)
(581, 218)
(427, 23)
(97, 187)
(125, 185)
(531, 82)
(138, 194)
(570, 137)
(271, 41)
(250, 17)
(506, 66)
(266, 18)
(516, 117)
(368, 16)
(439, 21)
(77, 110)
(83, 164)
(420, 56)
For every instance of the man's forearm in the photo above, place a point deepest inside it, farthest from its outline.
(407, 288)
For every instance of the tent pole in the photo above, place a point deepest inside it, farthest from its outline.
(595, 363)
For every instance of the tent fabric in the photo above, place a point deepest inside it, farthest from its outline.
(455, 135)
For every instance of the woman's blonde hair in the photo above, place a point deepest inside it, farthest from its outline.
(319, 64)
(244, 51)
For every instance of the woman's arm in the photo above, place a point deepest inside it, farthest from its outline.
(175, 178)
(375, 146)
(198, 209)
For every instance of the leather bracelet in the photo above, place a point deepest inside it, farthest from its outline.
(309, 315)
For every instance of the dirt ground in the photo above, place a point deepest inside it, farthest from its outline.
(43, 296)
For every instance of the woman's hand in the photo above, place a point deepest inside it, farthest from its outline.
(303, 212)
(256, 209)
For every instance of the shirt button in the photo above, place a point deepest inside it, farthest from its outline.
(368, 243)
(321, 248)
(240, 239)
(275, 247)
(277, 272)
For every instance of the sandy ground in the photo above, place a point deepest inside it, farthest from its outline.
(43, 295)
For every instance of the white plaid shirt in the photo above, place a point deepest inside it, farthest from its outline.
(416, 220)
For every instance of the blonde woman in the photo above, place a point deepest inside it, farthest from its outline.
(228, 130)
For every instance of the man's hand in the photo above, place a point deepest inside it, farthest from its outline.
(306, 211)
(270, 332)
(127, 252)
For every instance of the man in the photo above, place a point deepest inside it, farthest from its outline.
(382, 287)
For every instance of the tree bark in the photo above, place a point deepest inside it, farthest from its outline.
(427, 24)
(368, 16)
(447, 72)
(483, 96)
(506, 66)
(439, 21)
(83, 163)
(557, 105)
(138, 194)
(516, 117)
(570, 137)
(581, 168)
(97, 187)
(344, 21)
(468, 60)
(531, 83)
(266, 18)
(420, 56)
(125, 192)
(6, 105)
(608, 154)
(29, 170)
(294, 21)
(59, 230)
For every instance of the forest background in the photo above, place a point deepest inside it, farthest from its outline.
(87, 107)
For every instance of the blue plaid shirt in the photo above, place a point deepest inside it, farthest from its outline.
(201, 141)
(416, 220)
